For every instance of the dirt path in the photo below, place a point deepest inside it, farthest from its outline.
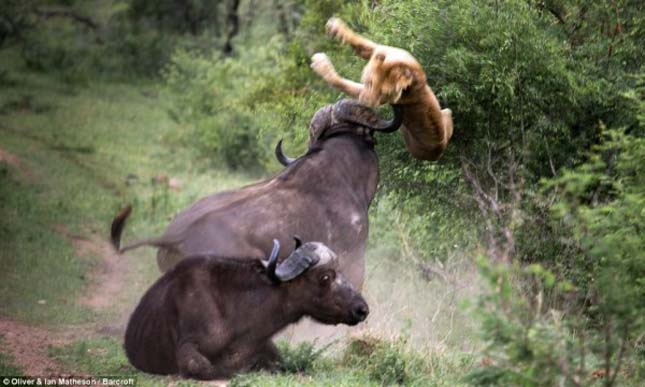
(109, 276)
(29, 345)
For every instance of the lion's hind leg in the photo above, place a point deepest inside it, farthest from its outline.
(339, 30)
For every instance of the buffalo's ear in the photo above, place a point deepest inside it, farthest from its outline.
(294, 265)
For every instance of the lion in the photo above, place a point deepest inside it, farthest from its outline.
(392, 75)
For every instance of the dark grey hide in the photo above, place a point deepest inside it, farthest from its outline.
(323, 196)
(212, 317)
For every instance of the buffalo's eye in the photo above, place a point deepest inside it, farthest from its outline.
(325, 279)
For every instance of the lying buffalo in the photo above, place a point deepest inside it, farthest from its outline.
(211, 317)
(323, 195)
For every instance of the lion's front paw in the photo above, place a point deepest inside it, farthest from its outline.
(337, 28)
(321, 64)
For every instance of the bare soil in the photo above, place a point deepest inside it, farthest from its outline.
(108, 278)
(28, 345)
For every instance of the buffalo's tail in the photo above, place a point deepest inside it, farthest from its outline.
(118, 224)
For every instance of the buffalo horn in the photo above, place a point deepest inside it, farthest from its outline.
(352, 111)
(393, 124)
(282, 159)
(295, 265)
(273, 261)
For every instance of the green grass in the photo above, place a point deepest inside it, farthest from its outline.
(368, 361)
(103, 356)
(365, 362)
(76, 146)
(7, 368)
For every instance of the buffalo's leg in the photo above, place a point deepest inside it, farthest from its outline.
(268, 358)
(321, 64)
(339, 30)
(193, 364)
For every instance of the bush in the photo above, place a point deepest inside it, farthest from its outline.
(387, 362)
(540, 332)
(216, 98)
(528, 343)
(300, 358)
(56, 48)
(123, 40)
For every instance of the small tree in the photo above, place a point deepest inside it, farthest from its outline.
(599, 207)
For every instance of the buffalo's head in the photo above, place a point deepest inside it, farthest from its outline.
(347, 115)
(315, 283)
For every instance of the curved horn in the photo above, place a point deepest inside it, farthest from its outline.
(295, 265)
(394, 124)
(356, 113)
(282, 159)
(273, 261)
(298, 241)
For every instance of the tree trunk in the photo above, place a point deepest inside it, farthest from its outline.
(233, 24)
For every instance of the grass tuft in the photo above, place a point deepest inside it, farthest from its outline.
(7, 368)
(300, 358)
(386, 362)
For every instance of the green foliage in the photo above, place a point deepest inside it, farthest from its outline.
(387, 362)
(13, 19)
(117, 39)
(192, 16)
(216, 96)
(529, 343)
(48, 49)
(240, 106)
(115, 48)
(599, 208)
(300, 358)
(599, 205)
(401, 227)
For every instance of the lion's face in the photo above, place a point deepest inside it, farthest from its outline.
(384, 82)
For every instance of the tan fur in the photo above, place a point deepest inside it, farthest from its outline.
(393, 76)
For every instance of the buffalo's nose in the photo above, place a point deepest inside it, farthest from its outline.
(361, 311)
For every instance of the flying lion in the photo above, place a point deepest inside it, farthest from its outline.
(392, 75)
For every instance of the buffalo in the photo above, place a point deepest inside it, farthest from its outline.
(211, 317)
(323, 195)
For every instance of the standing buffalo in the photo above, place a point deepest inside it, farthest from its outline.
(211, 317)
(323, 195)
